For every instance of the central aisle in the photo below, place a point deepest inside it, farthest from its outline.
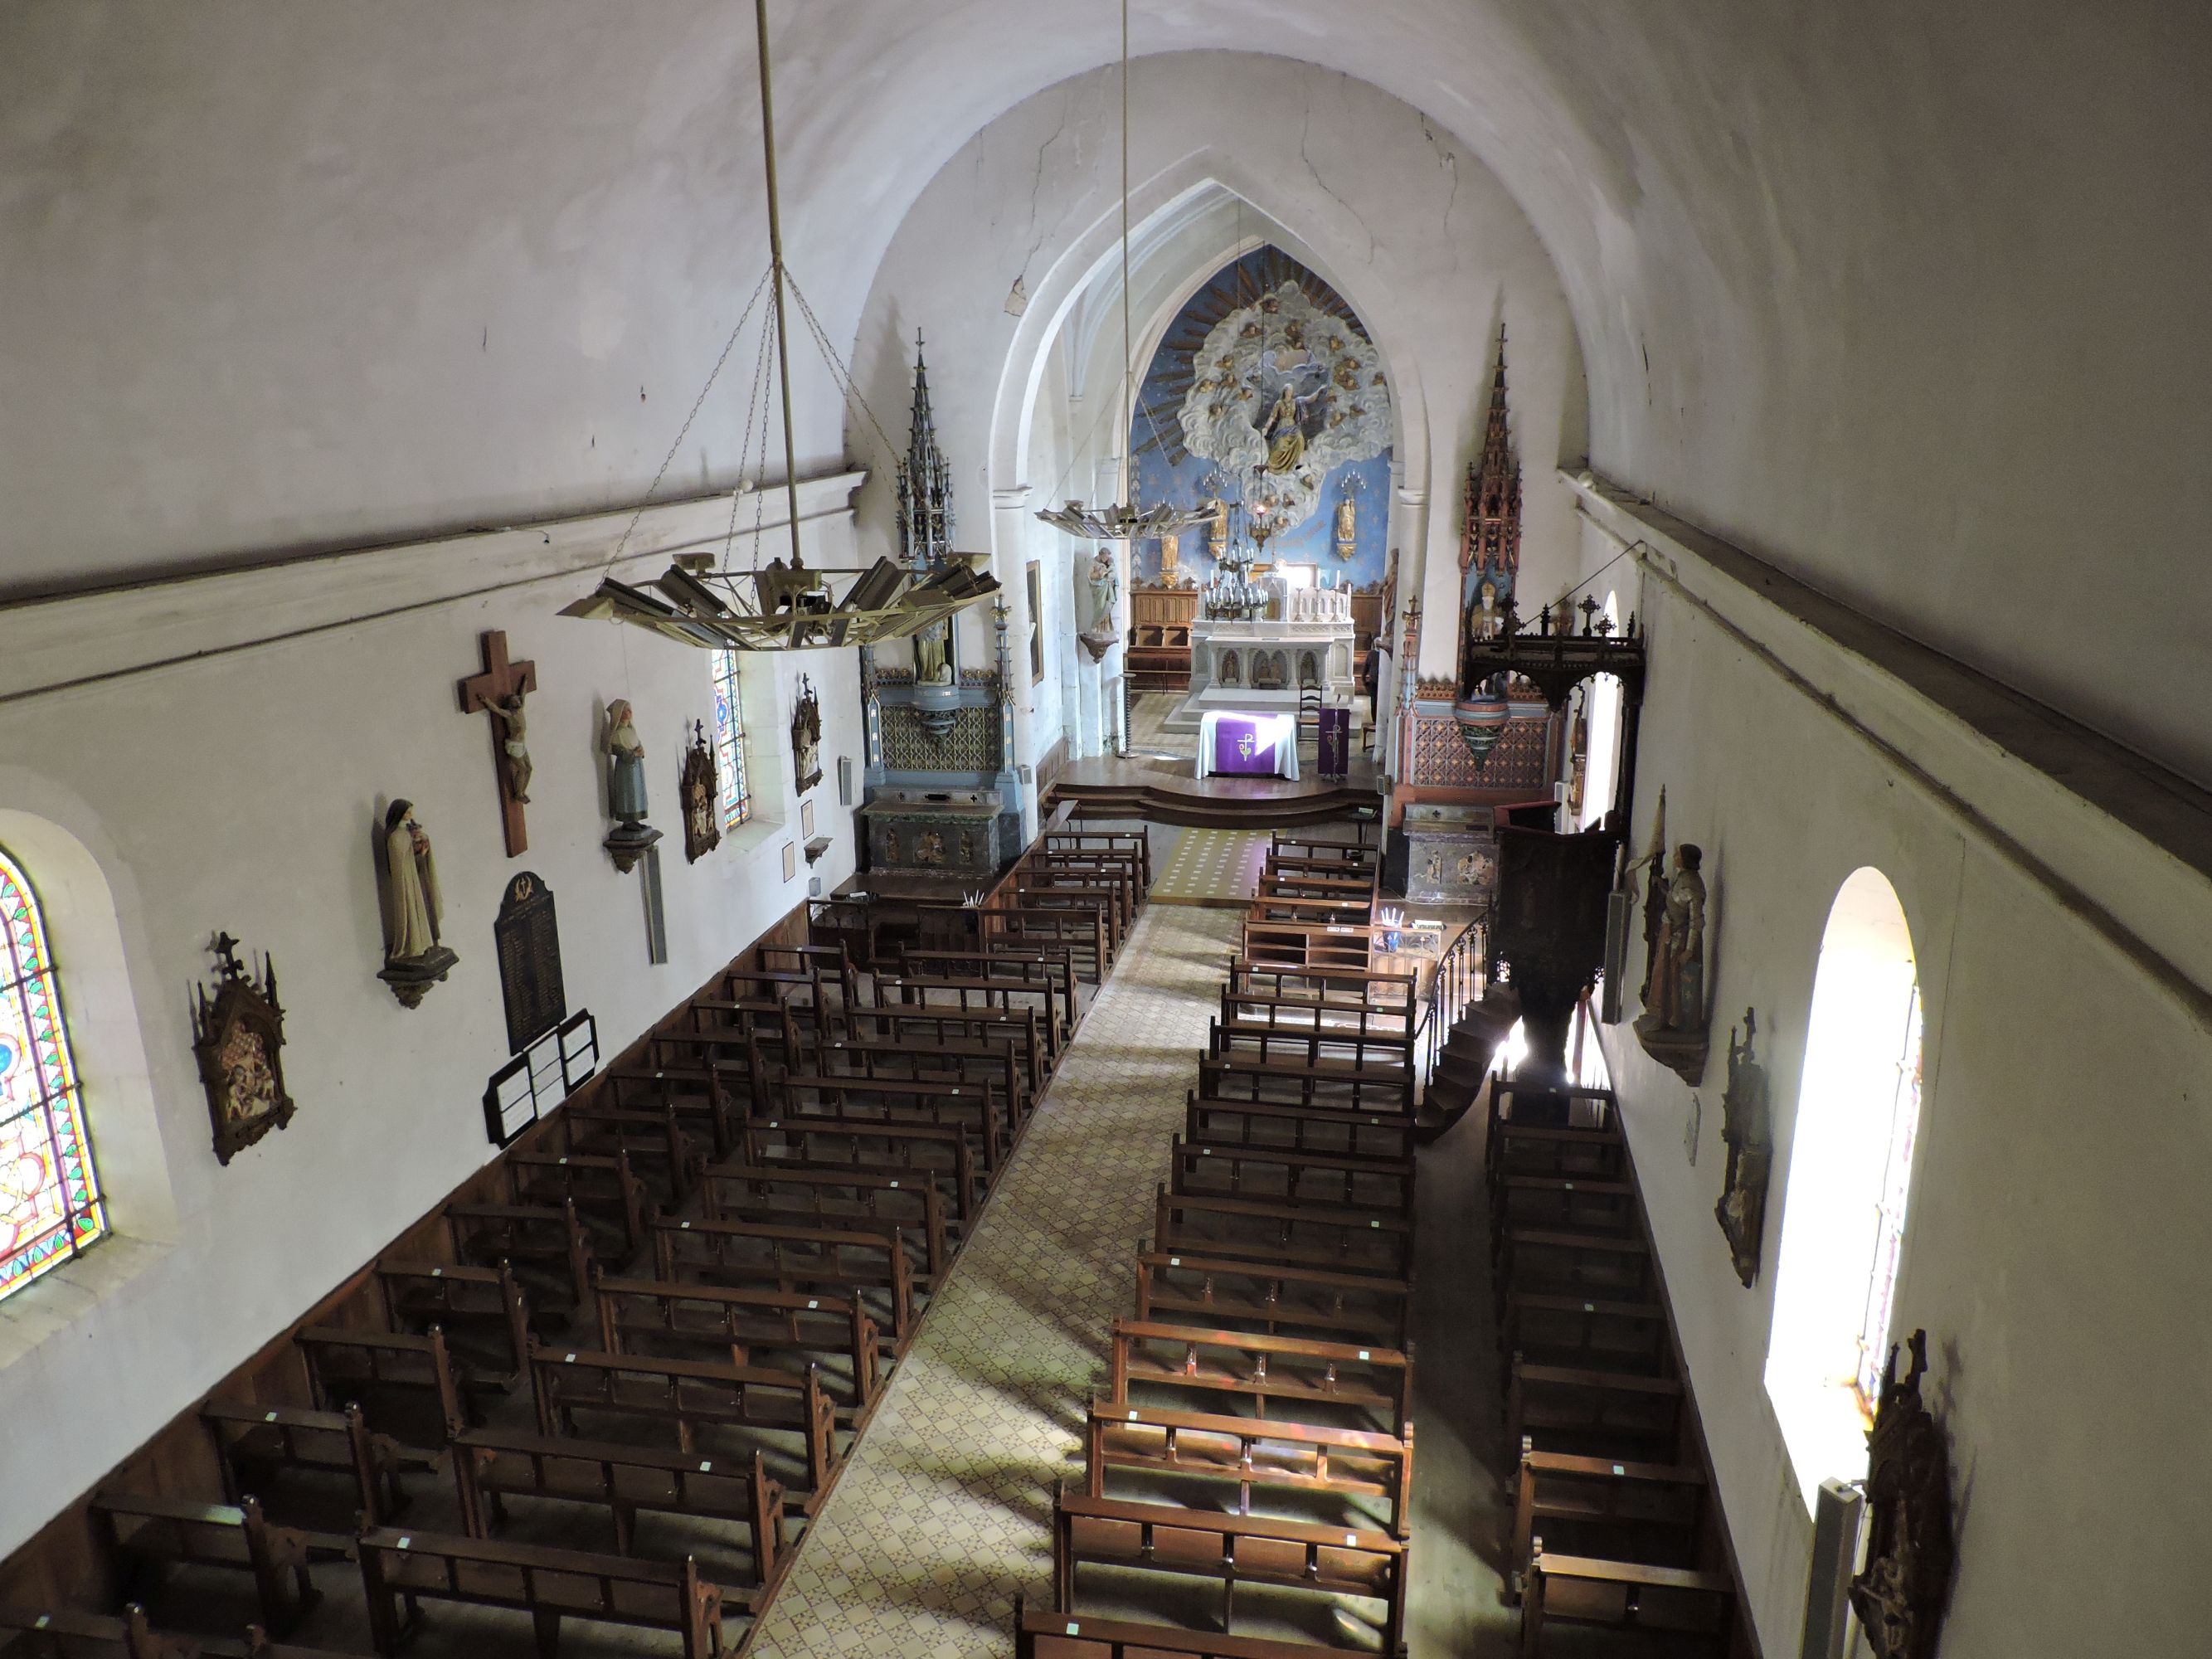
(944, 1511)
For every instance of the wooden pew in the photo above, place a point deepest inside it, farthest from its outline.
(1308, 944)
(604, 1189)
(1229, 1368)
(1083, 930)
(1229, 1171)
(1116, 875)
(1588, 1413)
(1393, 1029)
(1029, 965)
(1272, 906)
(955, 1032)
(684, 1397)
(662, 1137)
(961, 994)
(1614, 1266)
(1297, 1127)
(973, 1063)
(973, 1107)
(1132, 844)
(1033, 890)
(673, 1319)
(143, 1535)
(1332, 988)
(922, 1151)
(1233, 1549)
(1249, 1452)
(1584, 1333)
(256, 1445)
(1321, 850)
(1605, 1508)
(1329, 1084)
(1322, 1053)
(420, 1296)
(72, 1633)
(1560, 1203)
(547, 1240)
(493, 1465)
(401, 1569)
(852, 1201)
(1183, 1288)
(1302, 1234)
(770, 1255)
(1040, 1633)
(1545, 1150)
(403, 1385)
(1625, 1597)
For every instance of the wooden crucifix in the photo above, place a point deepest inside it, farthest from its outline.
(498, 693)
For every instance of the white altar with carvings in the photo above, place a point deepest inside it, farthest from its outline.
(1260, 665)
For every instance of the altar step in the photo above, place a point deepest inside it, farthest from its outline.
(1212, 803)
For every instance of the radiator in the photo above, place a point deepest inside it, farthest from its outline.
(1838, 1509)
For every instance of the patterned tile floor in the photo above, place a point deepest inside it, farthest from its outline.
(943, 1513)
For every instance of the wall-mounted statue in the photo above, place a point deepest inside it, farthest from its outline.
(414, 957)
(806, 737)
(1105, 588)
(1674, 1025)
(1742, 1211)
(699, 792)
(238, 1037)
(1900, 1597)
(626, 788)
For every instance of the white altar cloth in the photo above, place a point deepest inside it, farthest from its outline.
(1282, 728)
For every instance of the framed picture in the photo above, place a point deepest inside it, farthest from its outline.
(1037, 623)
(790, 860)
(806, 820)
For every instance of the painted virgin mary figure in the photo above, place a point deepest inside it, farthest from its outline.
(414, 907)
(626, 751)
(1285, 438)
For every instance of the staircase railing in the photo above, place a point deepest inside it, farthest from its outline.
(1458, 984)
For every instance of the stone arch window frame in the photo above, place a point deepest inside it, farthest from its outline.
(51, 1130)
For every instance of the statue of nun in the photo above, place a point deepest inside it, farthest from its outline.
(413, 906)
(626, 786)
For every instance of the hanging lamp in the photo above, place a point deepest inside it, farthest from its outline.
(1122, 520)
(785, 607)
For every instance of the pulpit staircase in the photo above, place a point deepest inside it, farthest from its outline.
(1468, 1019)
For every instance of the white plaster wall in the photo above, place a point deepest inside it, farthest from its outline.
(236, 792)
(2057, 1246)
(1416, 234)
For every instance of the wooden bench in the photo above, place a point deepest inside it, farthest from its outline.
(1233, 1367)
(973, 1063)
(948, 1029)
(1614, 1266)
(1605, 1507)
(1329, 1084)
(1041, 889)
(957, 994)
(1292, 1127)
(1625, 1597)
(1321, 850)
(1390, 1030)
(1134, 845)
(1592, 1413)
(680, 1321)
(1040, 1633)
(493, 1465)
(772, 1255)
(971, 1107)
(1232, 1549)
(143, 1535)
(1052, 965)
(1584, 1332)
(1561, 1203)
(547, 1239)
(254, 1445)
(1521, 1149)
(1229, 1171)
(404, 1384)
(652, 1131)
(1322, 1052)
(1303, 1235)
(850, 1199)
(685, 1396)
(602, 1186)
(71, 1633)
(1249, 1452)
(1355, 909)
(1083, 930)
(1331, 988)
(1178, 1286)
(399, 1570)
(919, 1152)
(418, 1296)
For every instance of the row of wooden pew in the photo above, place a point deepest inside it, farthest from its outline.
(1613, 1524)
(653, 1333)
(1249, 1459)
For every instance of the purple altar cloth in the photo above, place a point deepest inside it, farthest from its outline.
(1240, 746)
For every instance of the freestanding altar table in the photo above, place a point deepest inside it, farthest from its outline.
(1248, 746)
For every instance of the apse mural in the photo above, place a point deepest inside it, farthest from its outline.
(1266, 391)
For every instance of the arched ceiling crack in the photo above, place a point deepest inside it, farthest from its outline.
(1305, 126)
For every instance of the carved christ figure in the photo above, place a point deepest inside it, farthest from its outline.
(509, 712)
(414, 907)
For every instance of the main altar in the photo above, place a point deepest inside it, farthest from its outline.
(1260, 664)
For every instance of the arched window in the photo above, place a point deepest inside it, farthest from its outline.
(50, 1201)
(730, 741)
(1850, 1172)
(1602, 701)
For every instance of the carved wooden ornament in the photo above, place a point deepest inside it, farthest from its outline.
(700, 791)
(806, 737)
(1742, 1211)
(1900, 1597)
(238, 1037)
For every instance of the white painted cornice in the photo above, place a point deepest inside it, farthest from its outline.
(49, 645)
(2116, 839)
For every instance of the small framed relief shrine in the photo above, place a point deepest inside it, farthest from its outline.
(806, 737)
(238, 1037)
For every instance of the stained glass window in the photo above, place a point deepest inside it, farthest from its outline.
(1889, 1234)
(730, 742)
(50, 1201)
